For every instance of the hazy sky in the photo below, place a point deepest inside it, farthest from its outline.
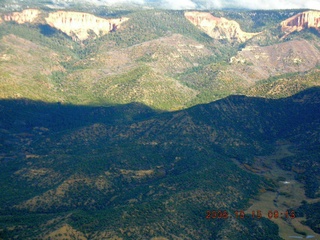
(261, 4)
(209, 4)
(268, 4)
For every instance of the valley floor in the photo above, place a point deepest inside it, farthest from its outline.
(290, 194)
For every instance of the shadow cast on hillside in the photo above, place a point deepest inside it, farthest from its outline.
(25, 113)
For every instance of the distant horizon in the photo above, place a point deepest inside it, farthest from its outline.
(191, 4)
(214, 4)
(203, 5)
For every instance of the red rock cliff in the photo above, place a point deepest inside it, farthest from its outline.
(218, 28)
(309, 19)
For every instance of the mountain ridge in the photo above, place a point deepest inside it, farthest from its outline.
(186, 64)
(70, 169)
(151, 129)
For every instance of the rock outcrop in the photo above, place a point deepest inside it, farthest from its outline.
(27, 15)
(218, 28)
(75, 24)
(309, 19)
(78, 24)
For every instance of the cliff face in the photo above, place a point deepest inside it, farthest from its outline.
(27, 15)
(309, 19)
(74, 24)
(218, 28)
(77, 25)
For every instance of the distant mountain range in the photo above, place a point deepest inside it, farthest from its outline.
(168, 62)
(145, 123)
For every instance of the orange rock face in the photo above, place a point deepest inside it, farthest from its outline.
(309, 19)
(218, 28)
(27, 15)
(77, 24)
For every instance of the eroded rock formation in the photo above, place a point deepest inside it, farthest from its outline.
(75, 24)
(27, 15)
(78, 25)
(218, 28)
(309, 19)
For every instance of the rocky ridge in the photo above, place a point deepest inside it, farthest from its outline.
(309, 19)
(218, 28)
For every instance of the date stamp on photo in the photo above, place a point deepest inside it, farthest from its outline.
(271, 214)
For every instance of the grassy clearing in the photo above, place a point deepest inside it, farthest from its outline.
(288, 195)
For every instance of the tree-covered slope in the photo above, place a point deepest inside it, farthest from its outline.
(130, 172)
(156, 57)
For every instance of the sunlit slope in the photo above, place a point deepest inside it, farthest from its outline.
(156, 57)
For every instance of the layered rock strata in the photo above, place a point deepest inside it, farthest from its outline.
(304, 20)
(78, 25)
(218, 28)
